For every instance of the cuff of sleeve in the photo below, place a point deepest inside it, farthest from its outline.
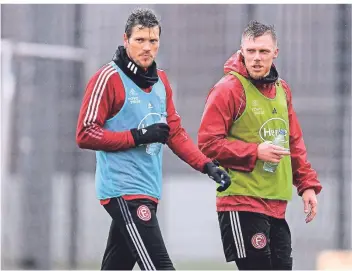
(208, 160)
(253, 158)
(130, 139)
(317, 188)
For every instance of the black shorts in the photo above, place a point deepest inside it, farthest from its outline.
(256, 241)
(134, 237)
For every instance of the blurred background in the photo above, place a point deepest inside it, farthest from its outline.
(50, 216)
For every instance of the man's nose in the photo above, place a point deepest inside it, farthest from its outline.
(257, 56)
(146, 46)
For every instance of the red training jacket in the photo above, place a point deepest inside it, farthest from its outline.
(103, 99)
(225, 103)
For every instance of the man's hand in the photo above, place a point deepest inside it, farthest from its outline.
(310, 204)
(271, 153)
(157, 132)
(218, 175)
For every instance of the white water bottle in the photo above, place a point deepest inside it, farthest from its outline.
(154, 148)
(279, 140)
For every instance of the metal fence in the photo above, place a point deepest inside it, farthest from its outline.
(50, 217)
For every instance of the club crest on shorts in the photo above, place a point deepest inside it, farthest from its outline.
(144, 213)
(259, 240)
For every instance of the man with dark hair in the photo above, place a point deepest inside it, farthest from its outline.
(244, 113)
(126, 115)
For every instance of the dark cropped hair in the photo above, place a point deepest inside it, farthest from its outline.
(144, 17)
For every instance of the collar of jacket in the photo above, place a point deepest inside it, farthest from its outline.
(142, 78)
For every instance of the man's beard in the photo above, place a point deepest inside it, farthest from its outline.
(140, 64)
(256, 77)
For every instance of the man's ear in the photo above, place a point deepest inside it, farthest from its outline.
(125, 40)
(276, 53)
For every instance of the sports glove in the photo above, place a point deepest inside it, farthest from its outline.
(157, 132)
(218, 175)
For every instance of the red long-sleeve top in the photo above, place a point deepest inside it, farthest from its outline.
(225, 103)
(104, 97)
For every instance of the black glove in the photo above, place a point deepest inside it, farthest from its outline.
(218, 175)
(157, 132)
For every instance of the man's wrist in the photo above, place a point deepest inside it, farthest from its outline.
(208, 164)
(308, 188)
(134, 133)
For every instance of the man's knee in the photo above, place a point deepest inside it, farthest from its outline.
(165, 266)
(255, 261)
